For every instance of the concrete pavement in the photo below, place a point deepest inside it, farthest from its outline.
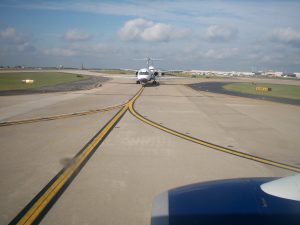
(136, 161)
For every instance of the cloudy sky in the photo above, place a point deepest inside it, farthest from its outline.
(205, 34)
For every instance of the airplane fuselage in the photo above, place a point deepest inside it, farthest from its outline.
(146, 75)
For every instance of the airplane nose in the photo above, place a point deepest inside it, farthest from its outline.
(143, 80)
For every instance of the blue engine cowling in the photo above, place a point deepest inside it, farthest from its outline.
(234, 202)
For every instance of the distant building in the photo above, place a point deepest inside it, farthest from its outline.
(247, 73)
(258, 73)
(289, 75)
(297, 75)
(270, 73)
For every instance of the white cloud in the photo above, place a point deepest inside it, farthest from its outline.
(157, 32)
(286, 36)
(76, 35)
(97, 49)
(76, 49)
(224, 53)
(146, 30)
(9, 32)
(61, 52)
(248, 20)
(11, 35)
(133, 29)
(12, 41)
(220, 33)
(25, 47)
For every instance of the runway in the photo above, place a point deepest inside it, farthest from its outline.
(124, 162)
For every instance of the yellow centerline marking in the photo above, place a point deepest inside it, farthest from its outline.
(62, 116)
(41, 203)
(30, 215)
(211, 145)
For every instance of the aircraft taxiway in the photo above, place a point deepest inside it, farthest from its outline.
(100, 156)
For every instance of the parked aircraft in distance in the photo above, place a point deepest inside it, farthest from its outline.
(148, 74)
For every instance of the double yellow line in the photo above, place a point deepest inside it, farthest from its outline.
(62, 116)
(211, 145)
(39, 206)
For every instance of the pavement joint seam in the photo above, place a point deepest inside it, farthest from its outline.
(211, 145)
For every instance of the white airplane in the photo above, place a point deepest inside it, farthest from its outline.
(148, 74)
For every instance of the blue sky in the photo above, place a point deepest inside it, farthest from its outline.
(206, 34)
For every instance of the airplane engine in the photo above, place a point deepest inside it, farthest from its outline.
(234, 202)
(155, 73)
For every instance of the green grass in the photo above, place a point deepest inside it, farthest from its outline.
(278, 90)
(13, 81)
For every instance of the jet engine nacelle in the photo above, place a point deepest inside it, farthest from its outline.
(234, 202)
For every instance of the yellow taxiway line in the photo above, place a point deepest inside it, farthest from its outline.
(211, 145)
(43, 201)
(40, 205)
(62, 116)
